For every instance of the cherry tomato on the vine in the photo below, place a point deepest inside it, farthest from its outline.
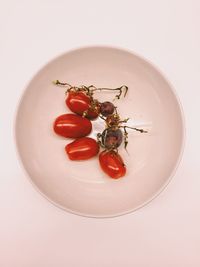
(112, 138)
(79, 102)
(82, 148)
(72, 126)
(112, 164)
(107, 108)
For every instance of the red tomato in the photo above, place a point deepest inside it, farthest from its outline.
(112, 164)
(82, 148)
(93, 114)
(79, 102)
(72, 126)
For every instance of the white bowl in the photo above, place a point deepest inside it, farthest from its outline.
(82, 187)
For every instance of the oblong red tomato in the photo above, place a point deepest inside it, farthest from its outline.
(112, 164)
(92, 114)
(82, 148)
(79, 102)
(72, 126)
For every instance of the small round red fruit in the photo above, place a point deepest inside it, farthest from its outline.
(80, 103)
(82, 149)
(72, 126)
(112, 164)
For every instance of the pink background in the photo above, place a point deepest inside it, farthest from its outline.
(164, 233)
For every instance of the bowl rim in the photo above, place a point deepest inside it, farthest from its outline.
(183, 124)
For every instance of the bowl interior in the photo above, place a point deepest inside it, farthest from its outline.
(82, 187)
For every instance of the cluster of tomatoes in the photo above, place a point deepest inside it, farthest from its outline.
(77, 125)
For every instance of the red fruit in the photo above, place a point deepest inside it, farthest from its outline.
(79, 102)
(93, 113)
(82, 148)
(112, 164)
(72, 126)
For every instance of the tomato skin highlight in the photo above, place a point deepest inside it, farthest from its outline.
(82, 149)
(72, 126)
(79, 102)
(112, 164)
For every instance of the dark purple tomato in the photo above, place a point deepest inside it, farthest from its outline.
(112, 138)
(107, 108)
